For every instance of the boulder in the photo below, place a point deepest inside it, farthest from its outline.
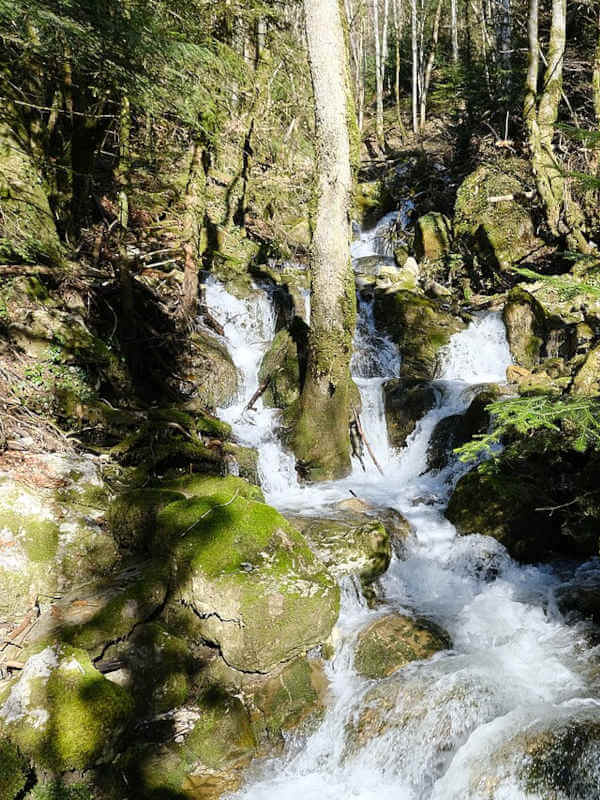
(525, 327)
(406, 402)
(587, 377)
(433, 236)
(393, 641)
(419, 325)
(14, 771)
(211, 371)
(500, 233)
(281, 367)
(62, 713)
(242, 578)
(458, 429)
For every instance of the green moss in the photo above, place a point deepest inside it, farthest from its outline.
(132, 515)
(14, 771)
(207, 486)
(281, 366)
(433, 236)
(58, 790)
(38, 537)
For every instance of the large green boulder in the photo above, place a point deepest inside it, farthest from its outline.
(395, 640)
(62, 713)
(420, 326)
(243, 578)
(28, 229)
(500, 232)
(433, 236)
(525, 324)
(14, 771)
(211, 370)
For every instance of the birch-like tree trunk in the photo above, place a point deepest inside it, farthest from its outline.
(415, 66)
(454, 31)
(541, 112)
(428, 69)
(379, 73)
(321, 439)
(194, 204)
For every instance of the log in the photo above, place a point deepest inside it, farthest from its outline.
(258, 393)
(365, 440)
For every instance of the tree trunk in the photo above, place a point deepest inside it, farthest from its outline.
(415, 65)
(454, 31)
(435, 34)
(378, 76)
(322, 438)
(192, 230)
(541, 112)
(506, 44)
(596, 76)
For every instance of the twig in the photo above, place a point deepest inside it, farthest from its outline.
(365, 440)
(258, 393)
(210, 510)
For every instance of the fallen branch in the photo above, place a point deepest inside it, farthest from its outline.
(361, 433)
(501, 198)
(258, 393)
(25, 269)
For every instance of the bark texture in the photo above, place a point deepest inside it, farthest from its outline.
(322, 440)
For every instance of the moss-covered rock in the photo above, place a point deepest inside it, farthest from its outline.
(62, 713)
(247, 577)
(433, 236)
(406, 402)
(587, 377)
(525, 327)
(537, 498)
(419, 325)
(14, 771)
(458, 429)
(352, 544)
(28, 231)
(50, 538)
(132, 515)
(500, 233)
(281, 367)
(197, 751)
(212, 371)
(393, 641)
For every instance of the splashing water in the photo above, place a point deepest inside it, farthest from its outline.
(459, 725)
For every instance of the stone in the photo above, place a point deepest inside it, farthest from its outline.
(393, 641)
(281, 365)
(211, 371)
(525, 327)
(587, 378)
(433, 236)
(406, 402)
(419, 325)
(242, 578)
(62, 713)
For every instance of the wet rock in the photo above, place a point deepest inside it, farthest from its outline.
(458, 429)
(211, 371)
(406, 402)
(393, 641)
(282, 368)
(355, 544)
(243, 578)
(433, 236)
(420, 326)
(62, 713)
(525, 327)
(500, 233)
(581, 595)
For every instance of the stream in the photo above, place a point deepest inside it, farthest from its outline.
(466, 723)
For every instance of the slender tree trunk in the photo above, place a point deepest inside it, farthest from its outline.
(322, 438)
(378, 76)
(454, 31)
(596, 76)
(541, 112)
(193, 229)
(415, 65)
(506, 43)
(122, 172)
(435, 34)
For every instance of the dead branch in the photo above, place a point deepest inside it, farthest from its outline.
(365, 440)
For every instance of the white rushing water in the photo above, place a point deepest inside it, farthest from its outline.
(455, 726)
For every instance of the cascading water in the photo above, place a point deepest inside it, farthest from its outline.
(455, 726)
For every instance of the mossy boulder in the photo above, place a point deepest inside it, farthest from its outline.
(93, 616)
(212, 371)
(538, 499)
(49, 539)
(371, 201)
(420, 326)
(406, 402)
(458, 429)
(525, 324)
(351, 544)
(433, 236)
(132, 515)
(197, 751)
(247, 578)
(62, 713)
(393, 641)
(281, 368)
(28, 231)
(587, 377)
(499, 233)
(14, 771)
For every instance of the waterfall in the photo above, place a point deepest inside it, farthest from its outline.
(455, 726)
